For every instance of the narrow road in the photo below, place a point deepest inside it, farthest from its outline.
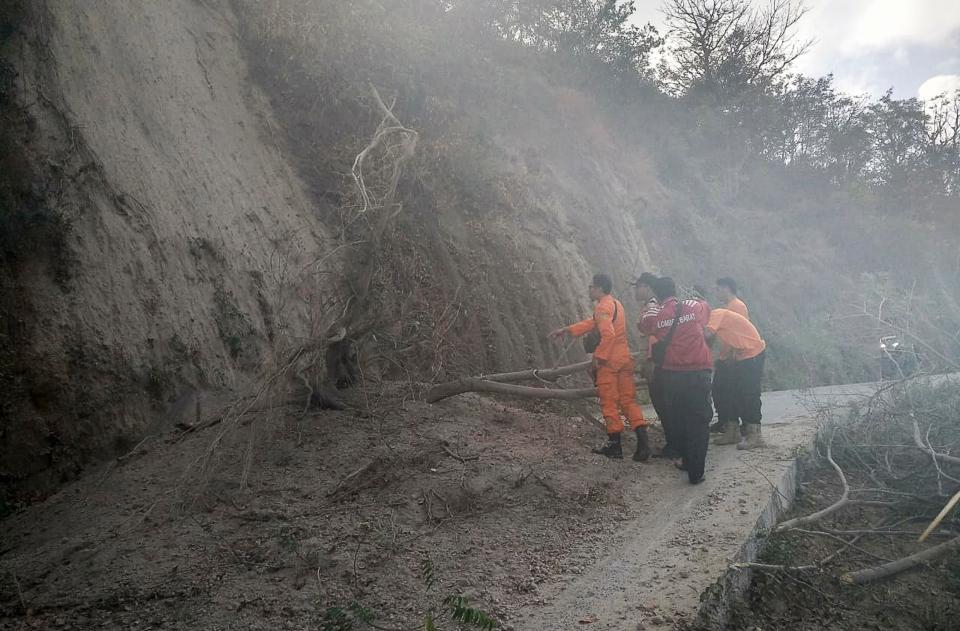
(684, 537)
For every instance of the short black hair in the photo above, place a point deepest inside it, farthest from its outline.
(665, 288)
(603, 282)
(648, 279)
(729, 283)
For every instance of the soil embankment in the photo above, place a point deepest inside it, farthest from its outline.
(179, 205)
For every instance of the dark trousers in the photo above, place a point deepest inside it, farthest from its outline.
(736, 390)
(655, 388)
(686, 396)
(724, 392)
(749, 380)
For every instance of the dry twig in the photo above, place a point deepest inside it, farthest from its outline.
(829, 510)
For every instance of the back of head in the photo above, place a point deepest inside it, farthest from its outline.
(648, 279)
(729, 283)
(603, 283)
(665, 288)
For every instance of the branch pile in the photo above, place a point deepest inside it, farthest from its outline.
(896, 459)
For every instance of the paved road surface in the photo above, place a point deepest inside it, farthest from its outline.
(684, 537)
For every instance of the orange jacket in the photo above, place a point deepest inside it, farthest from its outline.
(738, 306)
(736, 333)
(613, 349)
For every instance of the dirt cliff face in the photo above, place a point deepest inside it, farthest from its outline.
(185, 222)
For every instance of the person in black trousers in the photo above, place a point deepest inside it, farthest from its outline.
(684, 371)
(645, 295)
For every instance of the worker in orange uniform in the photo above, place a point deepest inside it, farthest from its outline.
(737, 398)
(727, 292)
(614, 369)
(722, 375)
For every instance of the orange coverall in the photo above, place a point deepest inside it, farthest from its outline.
(615, 367)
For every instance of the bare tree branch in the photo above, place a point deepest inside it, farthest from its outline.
(900, 565)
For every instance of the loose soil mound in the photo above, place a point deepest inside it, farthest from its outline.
(340, 507)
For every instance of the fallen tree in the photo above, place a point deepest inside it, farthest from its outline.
(502, 383)
(894, 461)
(453, 388)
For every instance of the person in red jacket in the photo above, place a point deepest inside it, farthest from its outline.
(685, 373)
(614, 368)
(645, 295)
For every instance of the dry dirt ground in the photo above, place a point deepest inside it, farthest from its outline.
(339, 507)
(507, 503)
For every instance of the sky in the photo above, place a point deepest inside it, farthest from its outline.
(912, 46)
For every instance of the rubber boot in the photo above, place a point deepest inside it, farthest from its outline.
(612, 449)
(716, 428)
(668, 452)
(753, 438)
(730, 435)
(642, 454)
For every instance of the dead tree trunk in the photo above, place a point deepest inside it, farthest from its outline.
(473, 384)
(501, 383)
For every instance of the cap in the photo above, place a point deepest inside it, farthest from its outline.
(645, 279)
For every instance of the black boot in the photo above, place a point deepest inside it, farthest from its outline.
(667, 452)
(612, 449)
(716, 428)
(642, 454)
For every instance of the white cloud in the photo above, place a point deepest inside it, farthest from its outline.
(870, 45)
(857, 28)
(938, 85)
(883, 23)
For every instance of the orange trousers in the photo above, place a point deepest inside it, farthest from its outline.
(618, 396)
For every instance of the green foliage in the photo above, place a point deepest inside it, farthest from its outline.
(454, 606)
(583, 30)
(461, 611)
(427, 573)
(345, 619)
